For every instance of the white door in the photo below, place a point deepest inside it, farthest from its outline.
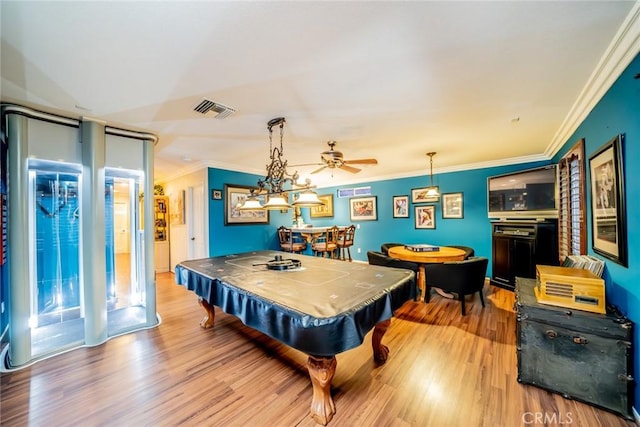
(196, 235)
(121, 227)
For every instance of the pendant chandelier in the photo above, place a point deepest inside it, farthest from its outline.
(273, 184)
(432, 191)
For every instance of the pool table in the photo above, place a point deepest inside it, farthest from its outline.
(319, 306)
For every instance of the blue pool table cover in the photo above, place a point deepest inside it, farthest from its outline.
(322, 308)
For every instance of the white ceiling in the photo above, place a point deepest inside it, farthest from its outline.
(480, 83)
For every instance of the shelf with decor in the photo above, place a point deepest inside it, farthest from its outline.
(161, 232)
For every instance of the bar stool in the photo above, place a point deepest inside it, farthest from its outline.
(326, 243)
(289, 242)
(345, 241)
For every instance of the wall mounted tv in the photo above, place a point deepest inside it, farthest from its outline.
(530, 193)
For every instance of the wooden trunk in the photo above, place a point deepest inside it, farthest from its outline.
(580, 355)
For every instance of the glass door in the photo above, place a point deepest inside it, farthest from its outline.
(55, 285)
(125, 287)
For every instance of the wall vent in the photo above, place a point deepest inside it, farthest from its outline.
(206, 105)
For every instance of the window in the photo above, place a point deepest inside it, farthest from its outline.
(571, 221)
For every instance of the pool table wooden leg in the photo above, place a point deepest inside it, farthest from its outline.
(321, 371)
(210, 315)
(380, 351)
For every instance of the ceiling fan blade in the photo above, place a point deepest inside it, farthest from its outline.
(306, 164)
(320, 169)
(362, 162)
(349, 168)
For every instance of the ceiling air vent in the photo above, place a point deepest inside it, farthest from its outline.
(206, 105)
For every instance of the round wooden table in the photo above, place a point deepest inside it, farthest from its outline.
(421, 258)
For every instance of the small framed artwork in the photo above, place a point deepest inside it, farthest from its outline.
(363, 209)
(401, 206)
(452, 206)
(216, 194)
(235, 195)
(608, 213)
(425, 216)
(419, 195)
(325, 210)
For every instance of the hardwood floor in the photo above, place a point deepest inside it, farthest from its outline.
(444, 369)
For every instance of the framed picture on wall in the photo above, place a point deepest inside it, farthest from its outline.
(425, 216)
(234, 196)
(401, 206)
(419, 195)
(363, 209)
(452, 205)
(326, 210)
(608, 212)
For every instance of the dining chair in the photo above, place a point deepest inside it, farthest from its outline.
(326, 243)
(460, 277)
(289, 242)
(346, 237)
(468, 251)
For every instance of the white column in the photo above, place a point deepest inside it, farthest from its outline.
(94, 264)
(19, 301)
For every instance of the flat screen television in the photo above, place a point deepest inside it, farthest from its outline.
(530, 193)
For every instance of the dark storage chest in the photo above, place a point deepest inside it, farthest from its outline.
(581, 355)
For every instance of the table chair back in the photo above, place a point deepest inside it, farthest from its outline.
(346, 236)
(326, 244)
(460, 277)
(289, 242)
(384, 248)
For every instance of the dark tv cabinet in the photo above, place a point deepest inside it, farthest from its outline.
(518, 246)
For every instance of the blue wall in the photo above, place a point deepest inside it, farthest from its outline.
(616, 113)
(239, 238)
(473, 230)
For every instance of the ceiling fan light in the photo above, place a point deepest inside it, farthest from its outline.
(308, 198)
(252, 203)
(277, 202)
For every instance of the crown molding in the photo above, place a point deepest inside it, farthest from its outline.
(457, 168)
(621, 51)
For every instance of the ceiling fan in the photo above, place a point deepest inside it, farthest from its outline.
(333, 159)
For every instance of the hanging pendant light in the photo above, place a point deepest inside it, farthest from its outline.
(277, 202)
(273, 184)
(251, 203)
(432, 191)
(308, 198)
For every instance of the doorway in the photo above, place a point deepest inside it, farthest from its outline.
(125, 288)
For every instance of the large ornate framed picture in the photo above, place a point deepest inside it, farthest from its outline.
(363, 209)
(425, 216)
(325, 210)
(401, 206)
(608, 214)
(419, 195)
(452, 206)
(235, 195)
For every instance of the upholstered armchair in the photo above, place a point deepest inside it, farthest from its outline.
(460, 277)
(384, 248)
(468, 251)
